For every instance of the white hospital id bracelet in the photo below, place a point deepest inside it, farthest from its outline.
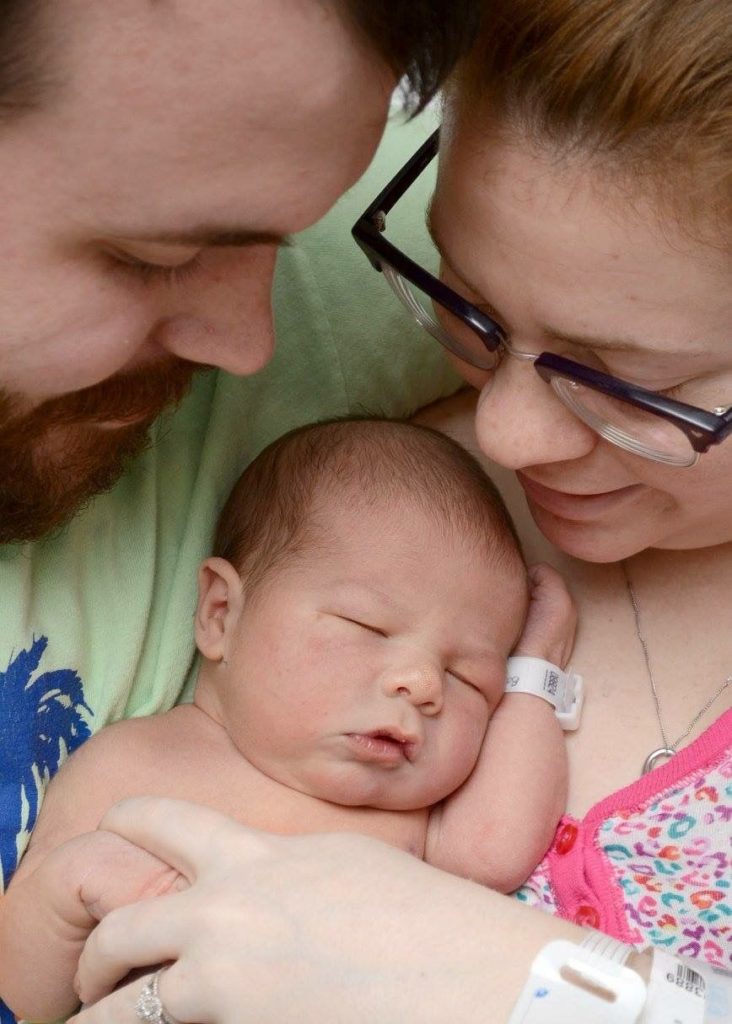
(570, 984)
(563, 690)
(685, 992)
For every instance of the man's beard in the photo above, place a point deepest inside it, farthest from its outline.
(57, 456)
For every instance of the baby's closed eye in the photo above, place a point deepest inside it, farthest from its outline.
(369, 626)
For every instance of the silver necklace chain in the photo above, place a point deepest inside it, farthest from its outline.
(668, 749)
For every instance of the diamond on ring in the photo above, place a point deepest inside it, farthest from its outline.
(149, 1007)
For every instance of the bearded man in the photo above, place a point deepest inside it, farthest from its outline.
(155, 156)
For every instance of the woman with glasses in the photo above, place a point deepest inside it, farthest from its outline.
(580, 280)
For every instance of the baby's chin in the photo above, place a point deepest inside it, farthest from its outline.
(382, 792)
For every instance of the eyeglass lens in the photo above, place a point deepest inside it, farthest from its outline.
(636, 430)
(456, 336)
(623, 424)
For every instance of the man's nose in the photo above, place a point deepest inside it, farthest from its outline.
(240, 349)
(224, 318)
(520, 422)
(418, 680)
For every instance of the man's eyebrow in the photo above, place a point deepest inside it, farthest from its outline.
(546, 330)
(206, 235)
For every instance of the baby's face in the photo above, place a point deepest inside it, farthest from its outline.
(366, 670)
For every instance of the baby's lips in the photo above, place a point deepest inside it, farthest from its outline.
(410, 742)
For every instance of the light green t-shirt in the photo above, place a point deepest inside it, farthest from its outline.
(96, 622)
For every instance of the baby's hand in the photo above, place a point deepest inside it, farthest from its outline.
(119, 873)
(551, 620)
(51, 909)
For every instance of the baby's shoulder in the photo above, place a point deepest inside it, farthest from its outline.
(124, 740)
(116, 760)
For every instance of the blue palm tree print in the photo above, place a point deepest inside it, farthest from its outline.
(42, 721)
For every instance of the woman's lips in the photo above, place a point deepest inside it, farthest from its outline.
(576, 507)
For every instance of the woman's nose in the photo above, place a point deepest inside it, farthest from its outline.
(419, 681)
(223, 317)
(520, 422)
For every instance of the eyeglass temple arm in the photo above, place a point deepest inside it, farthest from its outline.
(370, 224)
(368, 235)
(727, 428)
(404, 178)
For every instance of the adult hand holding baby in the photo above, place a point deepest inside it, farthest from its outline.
(272, 923)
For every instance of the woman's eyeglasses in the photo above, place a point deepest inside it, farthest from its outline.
(644, 422)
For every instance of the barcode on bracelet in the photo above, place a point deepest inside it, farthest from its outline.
(686, 978)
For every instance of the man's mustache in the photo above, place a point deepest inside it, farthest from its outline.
(136, 396)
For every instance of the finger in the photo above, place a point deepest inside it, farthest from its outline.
(538, 571)
(552, 617)
(543, 574)
(116, 1008)
(550, 593)
(178, 832)
(132, 937)
(119, 1008)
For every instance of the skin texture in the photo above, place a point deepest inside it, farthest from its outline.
(353, 927)
(339, 958)
(392, 625)
(463, 948)
(354, 924)
(165, 120)
(684, 599)
(568, 262)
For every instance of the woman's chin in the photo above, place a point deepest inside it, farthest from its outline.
(590, 542)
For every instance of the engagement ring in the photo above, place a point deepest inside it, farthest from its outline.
(149, 1007)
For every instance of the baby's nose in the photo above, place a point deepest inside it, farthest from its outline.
(420, 681)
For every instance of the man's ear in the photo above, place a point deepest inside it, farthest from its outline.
(220, 601)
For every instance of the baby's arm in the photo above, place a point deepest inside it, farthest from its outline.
(48, 913)
(496, 828)
(68, 880)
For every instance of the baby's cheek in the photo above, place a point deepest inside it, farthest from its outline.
(470, 733)
(480, 725)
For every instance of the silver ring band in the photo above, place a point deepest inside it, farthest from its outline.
(149, 1007)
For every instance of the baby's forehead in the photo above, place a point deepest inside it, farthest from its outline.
(372, 540)
(348, 516)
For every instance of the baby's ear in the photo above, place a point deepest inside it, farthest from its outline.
(220, 601)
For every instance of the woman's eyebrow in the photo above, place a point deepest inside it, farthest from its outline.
(481, 303)
(607, 344)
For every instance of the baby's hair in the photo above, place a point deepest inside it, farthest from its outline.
(275, 508)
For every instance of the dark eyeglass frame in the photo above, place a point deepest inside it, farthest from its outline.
(702, 428)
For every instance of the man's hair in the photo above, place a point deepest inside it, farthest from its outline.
(418, 39)
(281, 502)
(645, 86)
(22, 56)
